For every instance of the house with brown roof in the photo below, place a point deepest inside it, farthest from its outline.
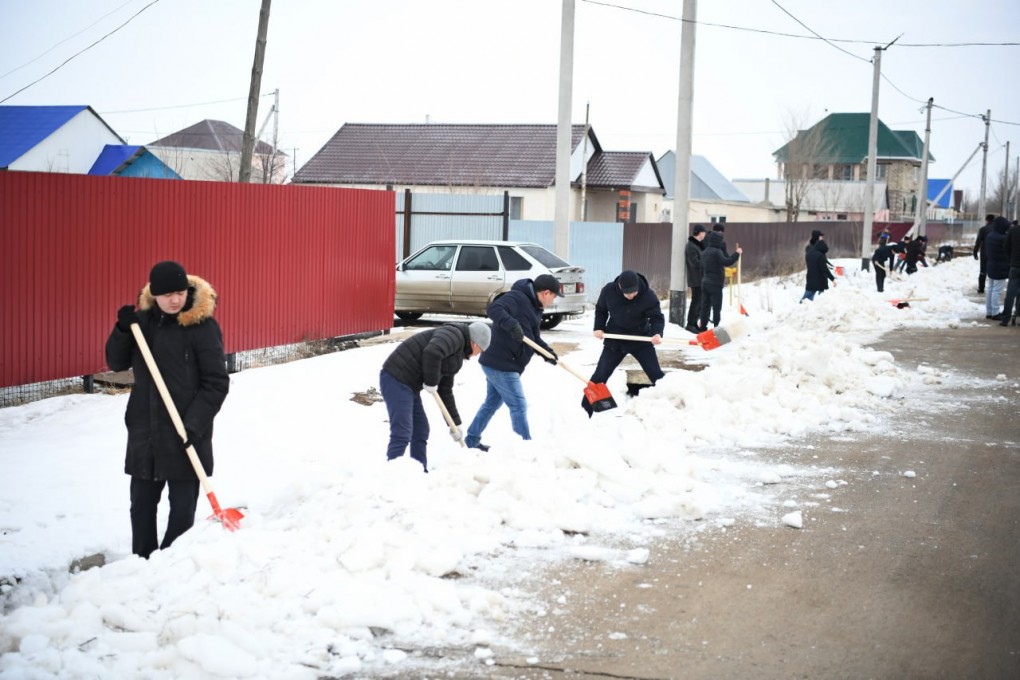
(490, 160)
(210, 150)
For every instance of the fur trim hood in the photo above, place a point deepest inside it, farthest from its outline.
(202, 301)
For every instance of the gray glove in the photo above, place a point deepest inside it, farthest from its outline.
(455, 434)
(431, 389)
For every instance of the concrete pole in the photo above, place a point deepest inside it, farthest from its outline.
(248, 145)
(1005, 184)
(984, 172)
(869, 198)
(561, 231)
(921, 215)
(1016, 189)
(682, 172)
(584, 166)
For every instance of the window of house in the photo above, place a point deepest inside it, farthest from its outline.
(881, 170)
(516, 207)
(718, 219)
(845, 172)
(840, 216)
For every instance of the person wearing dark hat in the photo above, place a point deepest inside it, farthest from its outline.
(627, 306)
(714, 261)
(426, 361)
(915, 253)
(818, 272)
(884, 258)
(815, 235)
(997, 269)
(979, 251)
(515, 315)
(692, 264)
(175, 314)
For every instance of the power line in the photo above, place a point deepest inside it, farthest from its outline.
(818, 35)
(76, 54)
(32, 61)
(181, 106)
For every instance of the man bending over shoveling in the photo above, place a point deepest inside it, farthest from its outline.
(627, 306)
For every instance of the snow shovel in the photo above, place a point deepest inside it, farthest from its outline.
(905, 302)
(231, 517)
(717, 337)
(446, 416)
(638, 338)
(596, 394)
(740, 300)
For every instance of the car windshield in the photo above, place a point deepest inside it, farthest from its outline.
(546, 258)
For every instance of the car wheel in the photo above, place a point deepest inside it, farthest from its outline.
(409, 316)
(551, 321)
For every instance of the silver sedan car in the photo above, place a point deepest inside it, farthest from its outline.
(463, 277)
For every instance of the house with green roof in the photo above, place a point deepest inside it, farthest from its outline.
(836, 149)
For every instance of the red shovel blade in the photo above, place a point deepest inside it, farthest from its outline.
(599, 397)
(229, 518)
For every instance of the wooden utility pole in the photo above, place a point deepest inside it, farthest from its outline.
(248, 146)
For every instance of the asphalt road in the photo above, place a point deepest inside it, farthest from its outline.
(913, 577)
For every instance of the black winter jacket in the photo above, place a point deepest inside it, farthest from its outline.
(714, 261)
(520, 306)
(995, 246)
(979, 244)
(1012, 246)
(432, 357)
(188, 349)
(818, 272)
(641, 316)
(692, 260)
(885, 256)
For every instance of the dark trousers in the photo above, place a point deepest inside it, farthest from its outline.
(615, 351)
(981, 281)
(1012, 293)
(880, 279)
(408, 422)
(145, 495)
(711, 303)
(695, 309)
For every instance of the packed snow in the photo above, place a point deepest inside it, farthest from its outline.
(345, 564)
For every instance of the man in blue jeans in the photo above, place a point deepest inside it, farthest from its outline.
(514, 315)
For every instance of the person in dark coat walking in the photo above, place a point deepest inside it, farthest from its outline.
(692, 264)
(818, 272)
(515, 315)
(997, 270)
(627, 306)
(426, 361)
(884, 258)
(1011, 244)
(979, 250)
(175, 314)
(900, 248)
(915, 253)
(713, 264)
(815, 235)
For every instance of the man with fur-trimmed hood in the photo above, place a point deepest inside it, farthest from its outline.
(175, 314)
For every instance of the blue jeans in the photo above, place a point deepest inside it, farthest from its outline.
(408, 423)
(809, 295)
(993, 293)
(501, 387)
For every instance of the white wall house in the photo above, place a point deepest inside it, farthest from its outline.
(52, 138)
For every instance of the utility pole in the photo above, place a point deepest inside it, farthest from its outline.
(564, 133)
(984, 170)
(276, 133)
(921, 214)
(248, 145)
(1016, 189)
(869, 199)
(1005, 184)
(682, 173)
(584, 166)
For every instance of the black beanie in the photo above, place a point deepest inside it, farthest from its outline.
(167, 277)
(628, 281)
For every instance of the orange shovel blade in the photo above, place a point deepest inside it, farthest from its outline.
(229, 518)
(599, 397)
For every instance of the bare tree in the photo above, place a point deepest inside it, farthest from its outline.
(804, 161)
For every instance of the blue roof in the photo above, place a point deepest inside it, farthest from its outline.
(112, 157)
(23, 127)
(937, 185)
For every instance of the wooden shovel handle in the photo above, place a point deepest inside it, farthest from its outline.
(559, 362)
(446, 415)
(639, 338)
(157, 378)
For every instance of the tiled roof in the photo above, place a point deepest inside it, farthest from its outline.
(23, 127)
(616, 169)
(843, 138)
(439, 155)
(112, 157)
(211, 135)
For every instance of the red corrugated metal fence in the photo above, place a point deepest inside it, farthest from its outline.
(290, 263)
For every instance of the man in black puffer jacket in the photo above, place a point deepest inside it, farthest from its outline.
(714, 261)
(426, 361)
(627, 306)
(1012, 247)
(176, 318)
(515, 315)
(692, 262)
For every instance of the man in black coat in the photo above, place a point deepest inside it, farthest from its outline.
(515, 315)
(979, 250)
(997, 269)
(714, 261)
(426, 361)
(1011, 245)
(818, 272)
(627, 306)
(175, 313)
(692, 259)
(884, 257)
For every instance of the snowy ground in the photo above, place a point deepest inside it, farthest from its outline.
(344, 561)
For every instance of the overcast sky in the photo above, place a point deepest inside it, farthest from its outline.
(758, 69)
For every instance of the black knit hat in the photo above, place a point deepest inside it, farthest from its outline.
(167, 277)
(628, 281)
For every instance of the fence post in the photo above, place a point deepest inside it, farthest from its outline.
(506, 215)
(407, 223)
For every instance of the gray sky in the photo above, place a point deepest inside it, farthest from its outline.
(496, 61)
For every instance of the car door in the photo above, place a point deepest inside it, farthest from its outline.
(423, 280)
(476, 278)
